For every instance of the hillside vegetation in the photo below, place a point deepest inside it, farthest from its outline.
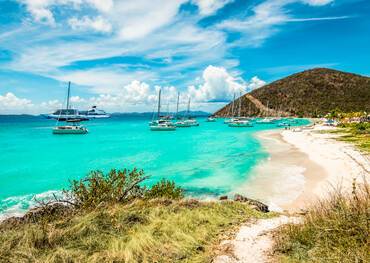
(310, 93)
(112, 218)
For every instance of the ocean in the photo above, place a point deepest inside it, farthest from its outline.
(209, 160)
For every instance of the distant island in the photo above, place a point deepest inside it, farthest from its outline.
(311, 93)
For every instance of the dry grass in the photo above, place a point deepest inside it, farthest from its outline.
(335, 230)
(142, 231)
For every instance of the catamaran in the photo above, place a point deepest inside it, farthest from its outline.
(227, 121)
(161, 124)
(73, 126)
(191, 121)
(240, 121)
(180, 122)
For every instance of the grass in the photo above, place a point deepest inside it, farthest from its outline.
(354, 133)
(158, 230)
(334, 230)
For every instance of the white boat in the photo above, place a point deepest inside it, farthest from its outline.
(94, 113)
(161, 124)
(192, 122)
(73, 128)
(240, 121)
(265, 121)
(73, 125)
(180, 122)
(228, 120)
(211, 119)
(69, 114)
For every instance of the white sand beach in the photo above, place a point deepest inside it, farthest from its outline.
(304, 166)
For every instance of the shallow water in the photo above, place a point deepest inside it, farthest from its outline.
(208, 160)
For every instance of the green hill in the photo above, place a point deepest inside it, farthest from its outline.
(309, 93)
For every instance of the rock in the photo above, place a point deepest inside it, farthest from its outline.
(223, 197)
(256, 204)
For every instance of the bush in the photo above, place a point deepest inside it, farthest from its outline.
(98, 188)
(335, 230)
(166, 189)
(117, 186)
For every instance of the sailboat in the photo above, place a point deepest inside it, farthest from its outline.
(180, 122)
(266, 119)
(73, 125)
(191, 121)
(240, 121)
(227, 121)
(211, 119)
(161, 124)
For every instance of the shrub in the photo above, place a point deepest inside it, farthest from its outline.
(117, 186)
(334, 230)
(165, 188)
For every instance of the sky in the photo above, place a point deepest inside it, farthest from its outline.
(119, 53)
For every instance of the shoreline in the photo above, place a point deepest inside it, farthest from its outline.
(304, 167)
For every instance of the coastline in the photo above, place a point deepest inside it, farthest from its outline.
(304, 167)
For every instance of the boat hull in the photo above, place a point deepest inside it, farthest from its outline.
(161, 128)
(240, 125)
(70, 131)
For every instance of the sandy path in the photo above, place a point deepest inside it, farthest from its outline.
(253, 242)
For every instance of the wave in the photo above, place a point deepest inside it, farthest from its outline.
(19, 205)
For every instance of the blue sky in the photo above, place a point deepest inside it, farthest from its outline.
(117, 54)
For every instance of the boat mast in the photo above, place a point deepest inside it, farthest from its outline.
(189, 108)
(177, 106)
(159, 103)
(240, 104)
(232, 107)
(68, 93)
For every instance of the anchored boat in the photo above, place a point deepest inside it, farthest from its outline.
(73, 128)
(240, 121)
(161, 124)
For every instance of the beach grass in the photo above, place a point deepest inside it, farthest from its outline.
(357, 134)
(334, 230)
(111, 217)
(159, 230)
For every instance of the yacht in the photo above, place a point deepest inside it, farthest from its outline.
(240, 121)
(161, 124)
(191, 121)
(211, 119)
(94, 113)
(265, 121)
(228, 120)
(180, 122)
(73, 128)
(71, 117)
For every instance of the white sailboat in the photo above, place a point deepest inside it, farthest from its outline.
(161, 124)
(180, 122)
(191, 121)
(240, 121)
(73, 125)
(227, 121)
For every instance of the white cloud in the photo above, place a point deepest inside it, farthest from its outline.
(11, 104)
(98, 24)
(218, 85)
(208, 7)
(255, 83)
(318, 2)
(266, 18)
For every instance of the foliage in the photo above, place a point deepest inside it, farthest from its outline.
(99, 188)
(166, 189)
(139, 231)
(334, 230)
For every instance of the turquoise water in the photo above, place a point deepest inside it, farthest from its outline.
(207, 160)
